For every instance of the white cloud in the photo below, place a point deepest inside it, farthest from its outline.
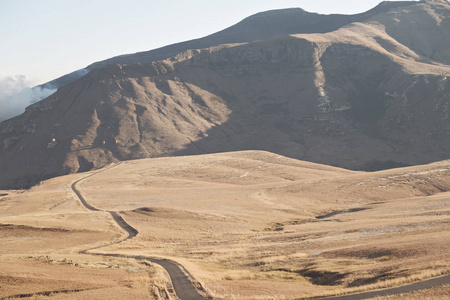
(16, 94)
(10, 85)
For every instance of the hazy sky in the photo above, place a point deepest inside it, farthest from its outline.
(42, 40)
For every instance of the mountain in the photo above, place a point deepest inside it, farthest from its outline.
(261, 26)
(368, 93)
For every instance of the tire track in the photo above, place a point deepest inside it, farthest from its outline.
(183, 287)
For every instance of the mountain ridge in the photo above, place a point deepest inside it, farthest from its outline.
(354, 97)
(314, 23)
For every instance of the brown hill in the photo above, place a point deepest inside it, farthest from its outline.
(366, 96)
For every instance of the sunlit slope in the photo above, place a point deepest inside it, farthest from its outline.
(239, 220)
(236, 221)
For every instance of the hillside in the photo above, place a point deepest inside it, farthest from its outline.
(245, 225)
(366, 96)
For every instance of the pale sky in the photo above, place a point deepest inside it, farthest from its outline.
(45, 39)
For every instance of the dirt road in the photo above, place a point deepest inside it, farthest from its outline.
(183, 287)
(396, 290)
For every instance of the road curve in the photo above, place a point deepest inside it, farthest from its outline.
(181, 284)
(395, 290)
(80, 197)
(132, 232)
(183, 287)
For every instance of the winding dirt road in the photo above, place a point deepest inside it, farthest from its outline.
(395, 290)
(183, 287)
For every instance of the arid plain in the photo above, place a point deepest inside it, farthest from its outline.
(245, 225)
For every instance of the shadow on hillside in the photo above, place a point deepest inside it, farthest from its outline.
(275, 107)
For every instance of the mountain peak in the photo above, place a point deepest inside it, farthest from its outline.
(278, 12)
(260, 26)
(373, 94)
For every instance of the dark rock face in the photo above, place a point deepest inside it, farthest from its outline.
(356, 98)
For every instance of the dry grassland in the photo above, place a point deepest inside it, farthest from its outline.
(246, 225)
(41, 232)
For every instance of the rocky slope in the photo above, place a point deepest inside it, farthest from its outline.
(369, 95)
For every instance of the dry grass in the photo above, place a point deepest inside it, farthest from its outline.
(246, 225)
(43, 275)
(41, 232)
(238, 221)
